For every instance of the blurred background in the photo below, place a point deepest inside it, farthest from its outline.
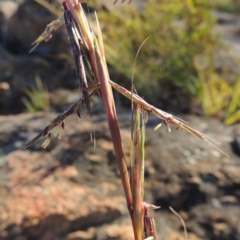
(189, 66)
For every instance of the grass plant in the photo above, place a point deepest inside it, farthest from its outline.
(177, 31)
(180, 69)
(93, 77)
(37, 98)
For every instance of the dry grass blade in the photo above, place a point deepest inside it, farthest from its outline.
(98, 59)
(182, 221)
(136, 99)
(166, 117)
(129, 1)
(78, 55)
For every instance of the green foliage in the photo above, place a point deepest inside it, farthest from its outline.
(179, 56)
(37, 97)
(177, 31)
(226, 5)
(178, 60)
(219, 93)
(233, 110)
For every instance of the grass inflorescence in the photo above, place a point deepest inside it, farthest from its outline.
(93, 77)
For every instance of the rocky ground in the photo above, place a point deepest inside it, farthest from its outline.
(72, 189)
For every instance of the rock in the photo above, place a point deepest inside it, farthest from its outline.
(181, 236)
(236, 140)
(62, 98)
(18, 73)
(45, 196)
(227, 26)
(236, 145)
(115, 231)
(28, 22)
(8, 8)
(82, 235)
(5, 93)
(18, 69)
(75, 185)
(221, 221)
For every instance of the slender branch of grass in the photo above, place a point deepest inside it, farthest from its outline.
(47, 33)
(168, 118)
(136, 175)
(182, 221)
(142, 154)
(74, 109)
(132, 85)
(108, 100)
(137, 100)
(99, 67)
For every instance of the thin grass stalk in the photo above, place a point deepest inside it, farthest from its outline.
(136, 177)
(98, 64)
(108, 100)
(109, 104)
(142, 154)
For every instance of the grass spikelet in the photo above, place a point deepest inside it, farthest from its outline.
(49, 30)
(71, 111)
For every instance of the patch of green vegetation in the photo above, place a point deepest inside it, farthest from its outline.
(177, 30)
(177, 64)
(232, 114)
(177, 61)
(37, 97)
